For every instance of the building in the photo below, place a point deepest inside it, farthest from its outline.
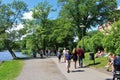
(105, 28)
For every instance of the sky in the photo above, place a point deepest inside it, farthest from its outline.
(118, 2)
(53, 3)
(33, 3)
(53, 15)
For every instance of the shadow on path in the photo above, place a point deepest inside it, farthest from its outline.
(92, 64)
(28, 58)
(108, 79)
(77, 71)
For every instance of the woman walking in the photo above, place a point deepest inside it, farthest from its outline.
(74, 56)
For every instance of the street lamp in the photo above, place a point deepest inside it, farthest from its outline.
(82, 27)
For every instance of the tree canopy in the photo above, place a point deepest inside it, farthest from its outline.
(90, 13)
(44, 33)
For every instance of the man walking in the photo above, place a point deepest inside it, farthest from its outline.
(80, 54)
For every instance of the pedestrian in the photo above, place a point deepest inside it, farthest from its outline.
(74, 56)
(46, 52)
(41, 53)
(64, 53)
(59, 54)
(80, 54)
(116, 61)
(68, 60)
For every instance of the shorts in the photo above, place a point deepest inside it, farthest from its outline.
(68, 63)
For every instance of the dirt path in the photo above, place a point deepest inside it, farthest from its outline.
(40, 69)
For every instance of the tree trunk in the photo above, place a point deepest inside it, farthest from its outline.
(9, 49)
(44, 46)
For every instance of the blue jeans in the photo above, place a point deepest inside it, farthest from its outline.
(80, 59)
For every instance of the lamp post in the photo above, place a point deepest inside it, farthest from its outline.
(82, 27)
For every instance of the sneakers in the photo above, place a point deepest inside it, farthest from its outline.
(68, 71)
(108, 70)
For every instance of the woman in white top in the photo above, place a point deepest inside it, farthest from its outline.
(64, 52)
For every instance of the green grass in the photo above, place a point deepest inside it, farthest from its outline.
(10, 69)
(100, 62)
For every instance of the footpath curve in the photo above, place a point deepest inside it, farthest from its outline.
(82, 73)
(50, 69)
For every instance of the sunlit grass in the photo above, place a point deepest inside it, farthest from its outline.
(10, 69)
(100, 62)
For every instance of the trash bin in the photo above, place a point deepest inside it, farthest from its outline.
(91, 56)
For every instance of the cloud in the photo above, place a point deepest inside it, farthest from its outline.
(19, 26)
(118, 8)
(28, 15)
(15, 27)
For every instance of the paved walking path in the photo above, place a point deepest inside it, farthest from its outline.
(50, 69)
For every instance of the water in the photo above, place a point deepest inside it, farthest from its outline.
(5, 55)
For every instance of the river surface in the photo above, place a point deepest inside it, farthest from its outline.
(5, 55)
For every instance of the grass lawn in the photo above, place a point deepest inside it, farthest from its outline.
(10, 69)
(100, 62)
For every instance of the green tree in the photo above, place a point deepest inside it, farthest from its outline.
(92, 41)
(90, 13)
(108, 43)
(10, 14)
(63, 33)
(43, 29)
(96, 41)
(111, 42)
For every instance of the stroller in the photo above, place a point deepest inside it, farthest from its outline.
(116, 73)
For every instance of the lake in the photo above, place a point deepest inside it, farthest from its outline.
(5, 55)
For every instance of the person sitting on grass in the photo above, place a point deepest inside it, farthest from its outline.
(115, 60)
(110, 62)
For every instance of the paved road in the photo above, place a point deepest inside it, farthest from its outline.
(40, 69)
(50, 69)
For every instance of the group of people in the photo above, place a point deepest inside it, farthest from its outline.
(42, 53)
(113, 60)
(75, 54)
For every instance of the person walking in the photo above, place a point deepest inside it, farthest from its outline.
(64, 53)
(68, 60)
(80, 54)
(59, 54)
(74, 56)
